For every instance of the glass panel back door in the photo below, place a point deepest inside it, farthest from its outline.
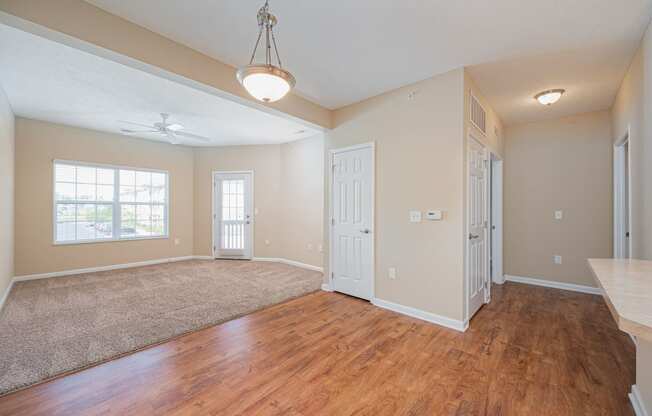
(233, 225)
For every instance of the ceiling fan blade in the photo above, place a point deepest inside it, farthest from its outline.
(135, 124)
(174, 127)
(172, 138)
(192, 136)
(138, 131)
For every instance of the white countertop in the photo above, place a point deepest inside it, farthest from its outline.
(627, 288)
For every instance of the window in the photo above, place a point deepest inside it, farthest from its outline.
(105, 203)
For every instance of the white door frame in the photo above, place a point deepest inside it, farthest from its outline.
(467, 277)
(214, 214)
(496, 220)
(622, 244)
(331, 156)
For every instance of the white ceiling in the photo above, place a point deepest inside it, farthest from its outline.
(48, 81)
(343, 51)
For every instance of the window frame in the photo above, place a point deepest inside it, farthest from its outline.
(116, 204)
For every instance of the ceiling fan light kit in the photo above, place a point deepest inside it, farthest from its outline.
(266, 82)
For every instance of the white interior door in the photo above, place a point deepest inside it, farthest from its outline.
(352, 223)
(232, 215)
(477, 241)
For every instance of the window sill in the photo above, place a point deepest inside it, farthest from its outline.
(113, 240)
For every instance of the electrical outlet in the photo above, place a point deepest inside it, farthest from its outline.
(559, 214)
(267, 242)
(177, 241)
(320, 248)
(557, 259)
(391, 273)
(309, 246)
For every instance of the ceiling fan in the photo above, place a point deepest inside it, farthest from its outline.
(172, 131)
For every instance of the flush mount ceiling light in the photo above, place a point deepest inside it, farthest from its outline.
(266, 82)
(549, 97)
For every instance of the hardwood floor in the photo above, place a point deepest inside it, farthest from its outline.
(532, 351)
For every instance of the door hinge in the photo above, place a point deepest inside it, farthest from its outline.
(332, 275)
(332, 221)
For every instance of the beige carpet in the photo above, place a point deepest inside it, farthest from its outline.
(52, 326)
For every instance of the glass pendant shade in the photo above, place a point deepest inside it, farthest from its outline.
(266, 83)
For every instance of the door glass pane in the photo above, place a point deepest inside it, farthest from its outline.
(232, 228)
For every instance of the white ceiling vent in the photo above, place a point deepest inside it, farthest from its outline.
(478, 115)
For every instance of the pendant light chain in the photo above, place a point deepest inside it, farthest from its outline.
(266, 22)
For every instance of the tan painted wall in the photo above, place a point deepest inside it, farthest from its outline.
(563, 164)
(418, 166)
(90, 24)
(265, 161)
(39, 143)
(632, 109)
(287, 194)
(302, 181)
(7, 148)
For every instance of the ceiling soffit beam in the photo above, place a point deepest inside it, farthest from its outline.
(84, 26)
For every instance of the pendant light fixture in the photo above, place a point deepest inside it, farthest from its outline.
(266, 82)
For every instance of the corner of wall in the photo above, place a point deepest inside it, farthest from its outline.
(7, 193)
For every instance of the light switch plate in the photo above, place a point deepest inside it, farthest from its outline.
(557, 259)
(415, 216)
(559, 214)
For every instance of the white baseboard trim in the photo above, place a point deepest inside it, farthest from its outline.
(100, 268)
(423, 315)
(5, 295)
(637, 402)
(553, 284)
(203, 257)
(326, 287)
(290, 262)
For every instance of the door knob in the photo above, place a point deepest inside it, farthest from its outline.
(365, 231)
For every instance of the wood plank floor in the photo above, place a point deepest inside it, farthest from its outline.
(532, 351)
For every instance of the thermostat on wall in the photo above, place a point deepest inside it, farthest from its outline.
(434, 215)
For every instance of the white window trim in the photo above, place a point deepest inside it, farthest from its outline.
(116, 203)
